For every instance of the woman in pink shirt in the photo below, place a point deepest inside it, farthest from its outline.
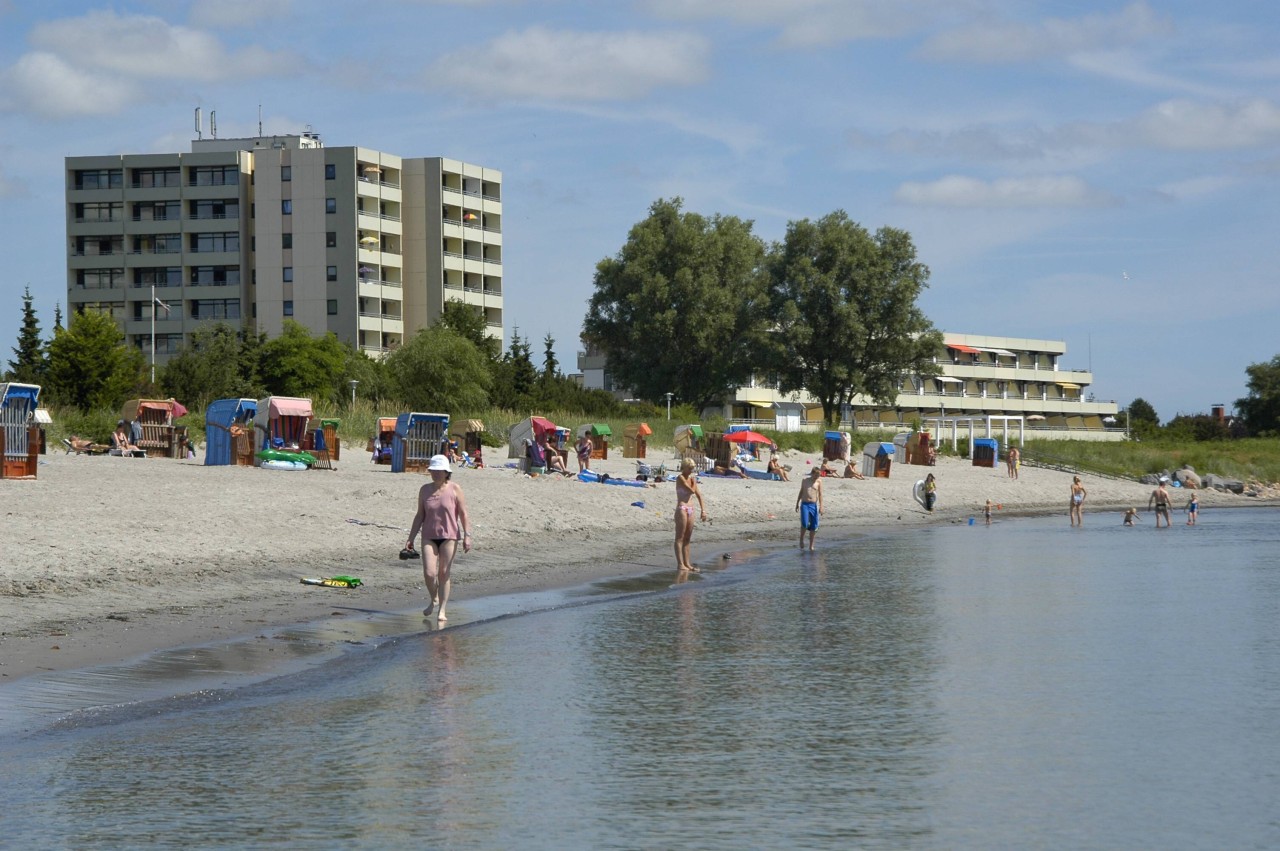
(442, 519)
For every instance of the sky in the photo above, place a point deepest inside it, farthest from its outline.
(1101, 173)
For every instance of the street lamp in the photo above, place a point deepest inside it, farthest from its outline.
(353, 382)
(669, 395)
(155, 302)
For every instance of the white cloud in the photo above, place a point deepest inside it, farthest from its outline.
(145, 47)
(960, 191)
(232, 14)
(1172, 125)
(809, 23)
(1199, 187)
(998, 42)
(558, 65)
(45, 85)
(102, 62)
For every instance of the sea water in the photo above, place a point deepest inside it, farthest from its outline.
(1023, 684)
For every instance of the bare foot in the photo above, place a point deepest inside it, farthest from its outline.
(431, 607)
(441, 617)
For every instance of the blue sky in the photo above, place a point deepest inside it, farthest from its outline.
(1095, 172)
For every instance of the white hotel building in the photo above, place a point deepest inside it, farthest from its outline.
(982, 376)
(362, 243)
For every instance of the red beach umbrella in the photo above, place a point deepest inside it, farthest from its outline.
(746, 437)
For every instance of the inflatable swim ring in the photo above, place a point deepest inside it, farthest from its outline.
(270, 464)
(304, 458)
(918, 492)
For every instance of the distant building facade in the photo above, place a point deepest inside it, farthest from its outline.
(981, 376)
(362, 243)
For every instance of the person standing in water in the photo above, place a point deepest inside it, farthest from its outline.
(443, 521)
(1163, 502)
(1078, 493)
(809, 504)
(686, 490)
(1193, 509)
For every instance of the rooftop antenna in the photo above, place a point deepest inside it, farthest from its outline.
(199, 125)
(259, 121)
(213, 123)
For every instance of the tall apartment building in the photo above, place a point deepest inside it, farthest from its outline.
(362, 243)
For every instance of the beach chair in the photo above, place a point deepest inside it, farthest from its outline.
(122, 450)
(84, 447)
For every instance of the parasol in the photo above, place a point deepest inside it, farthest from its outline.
(746, 437)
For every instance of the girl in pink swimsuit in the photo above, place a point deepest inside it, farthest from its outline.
(686, 489)
(442, 518)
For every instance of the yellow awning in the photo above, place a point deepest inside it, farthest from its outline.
(1068, 386)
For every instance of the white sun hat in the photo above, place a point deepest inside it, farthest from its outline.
(439, 462)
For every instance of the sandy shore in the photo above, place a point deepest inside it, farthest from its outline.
(107, 558)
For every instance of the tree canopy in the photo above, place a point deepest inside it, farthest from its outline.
(682, 307)
(1261, 408)
(297, 364)
(220, 363)
(440, 370)
(847, 322)
(89, 364)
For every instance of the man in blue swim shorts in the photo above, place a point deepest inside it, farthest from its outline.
(809, 504)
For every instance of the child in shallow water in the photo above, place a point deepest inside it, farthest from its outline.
(1131, 517)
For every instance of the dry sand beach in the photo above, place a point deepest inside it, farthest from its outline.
(107, 558)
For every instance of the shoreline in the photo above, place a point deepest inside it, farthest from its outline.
(129, 574)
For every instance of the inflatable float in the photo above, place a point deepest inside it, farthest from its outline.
(283, 459)
(918, 492)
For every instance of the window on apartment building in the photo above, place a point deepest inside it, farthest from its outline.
(331, 205)
(103, 211)
(162, 243)
(330, 171)
(288, 308)
(215, 308)
(215, 209)
(286, 240)
(331, 273)
(333, 306)
(165, 276)
(156, 211)
(214, 175)
(99, 178)
(148, 178)
(331, 239)
(286, 207)
(215, 242)
(287, 274)
(215, 276)
(99, 279)
(286, 173)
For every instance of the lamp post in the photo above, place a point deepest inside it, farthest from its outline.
(155, 302)
(669, 395)
(353, 382)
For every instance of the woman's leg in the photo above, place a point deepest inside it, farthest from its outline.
(448, 549)
(682, 522)
(430, 574)
(684, 544)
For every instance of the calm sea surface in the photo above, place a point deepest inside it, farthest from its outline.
(1023, 685)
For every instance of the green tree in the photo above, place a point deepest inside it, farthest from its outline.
(374, 380)
(297, 364)
(212, 367)
(1261, 408)
(847, 322)
(29, 362)
(681, 308)
(550, 366)
(89, 364)
(468, 321)
(440, 370)
(57, 314)
(514, 376)
(1142, 418)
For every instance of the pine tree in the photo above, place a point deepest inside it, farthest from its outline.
(57, 315)
(30, 361)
